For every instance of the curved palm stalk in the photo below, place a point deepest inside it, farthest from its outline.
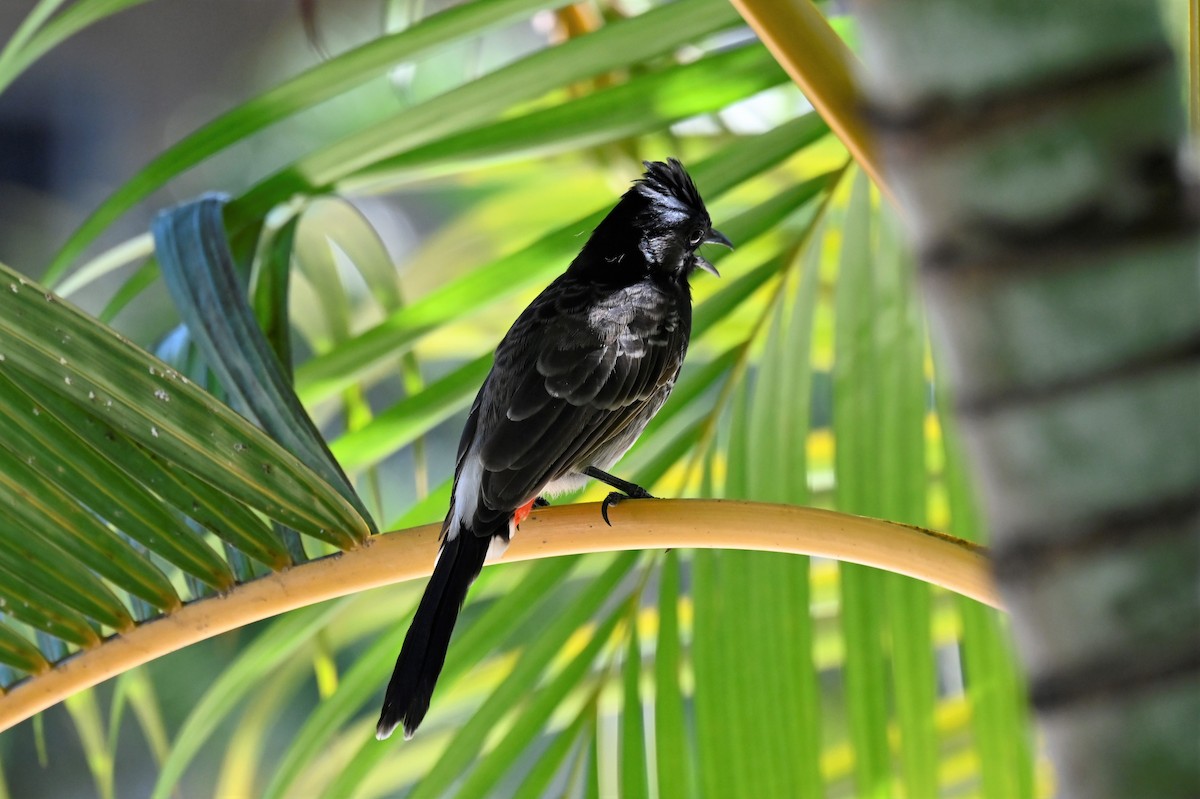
(800, 38)
(709, 524)
(1042, 166)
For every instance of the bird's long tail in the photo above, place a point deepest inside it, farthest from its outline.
(424, 651)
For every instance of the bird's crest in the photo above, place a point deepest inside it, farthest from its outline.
(669, 183)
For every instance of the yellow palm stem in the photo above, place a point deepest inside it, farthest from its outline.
(706, 524)
(800, 38)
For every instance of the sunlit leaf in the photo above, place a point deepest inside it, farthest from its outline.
(85, 712)
(325, 375)
(469, 740)
(303, 91)
(628, 109)
(856, 428)
(401, 424)
(231, 686)
(634, 779)
(900, 347)
(41, 33)
(670, 730)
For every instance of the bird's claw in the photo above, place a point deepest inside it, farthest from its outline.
(541, 502)
(612, 499)
(617, 497)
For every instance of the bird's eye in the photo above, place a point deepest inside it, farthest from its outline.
(697, 237)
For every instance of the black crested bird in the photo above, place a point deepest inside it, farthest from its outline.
(575, 381)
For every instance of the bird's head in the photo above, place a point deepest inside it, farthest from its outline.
(663, 220)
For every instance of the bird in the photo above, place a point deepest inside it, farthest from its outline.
(573, 383)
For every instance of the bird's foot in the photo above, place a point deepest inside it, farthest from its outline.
(617, 497)
(541, 502)
(625, 490)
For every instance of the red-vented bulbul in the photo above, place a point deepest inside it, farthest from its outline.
(575, 381)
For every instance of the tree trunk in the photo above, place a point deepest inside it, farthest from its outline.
(1034, 147)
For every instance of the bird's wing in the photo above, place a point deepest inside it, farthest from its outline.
(576, 370)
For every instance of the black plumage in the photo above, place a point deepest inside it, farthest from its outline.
(574, 382)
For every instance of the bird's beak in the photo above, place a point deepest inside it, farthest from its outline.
(714, 237)
(706, 265)
(717, 237)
